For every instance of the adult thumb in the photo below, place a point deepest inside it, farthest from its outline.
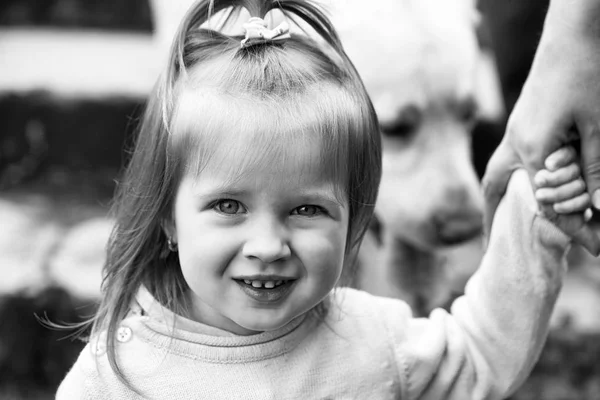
(590, 161)
(501, 165)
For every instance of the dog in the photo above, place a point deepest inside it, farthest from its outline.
(430, 82)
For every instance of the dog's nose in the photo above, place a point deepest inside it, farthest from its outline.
(455, 227)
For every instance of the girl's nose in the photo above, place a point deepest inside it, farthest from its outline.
(268, 244)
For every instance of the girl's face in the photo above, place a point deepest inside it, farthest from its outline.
(259, 248)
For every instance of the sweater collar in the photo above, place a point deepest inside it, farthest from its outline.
(165, 328)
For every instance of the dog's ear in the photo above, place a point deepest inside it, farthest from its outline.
(375, 229)
(488, 90)
(470, 7)
(473, 4)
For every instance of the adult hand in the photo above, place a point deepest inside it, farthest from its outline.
(559, 102)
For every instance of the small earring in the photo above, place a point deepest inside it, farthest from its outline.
(171, 245)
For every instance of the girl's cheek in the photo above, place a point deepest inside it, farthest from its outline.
(329, 245)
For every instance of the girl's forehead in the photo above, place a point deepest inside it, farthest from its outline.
(231, 173)
(257, 157)
(242, 139)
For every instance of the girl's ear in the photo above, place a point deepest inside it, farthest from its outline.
(170, 244)
(168, 227)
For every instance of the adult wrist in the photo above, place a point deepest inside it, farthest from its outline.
(573, 18)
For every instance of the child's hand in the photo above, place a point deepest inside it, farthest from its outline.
(563, 197)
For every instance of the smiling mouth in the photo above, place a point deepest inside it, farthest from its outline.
(266, 291)
(256, 284)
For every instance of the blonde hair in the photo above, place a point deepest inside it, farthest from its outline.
(291, 87)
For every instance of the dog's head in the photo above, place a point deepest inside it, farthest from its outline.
(420, 61)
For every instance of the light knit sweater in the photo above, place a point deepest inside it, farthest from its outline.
(367, 347)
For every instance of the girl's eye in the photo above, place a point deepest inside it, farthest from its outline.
(229, 207)
(308, 211)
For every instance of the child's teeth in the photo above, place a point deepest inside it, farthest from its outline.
(263, 284)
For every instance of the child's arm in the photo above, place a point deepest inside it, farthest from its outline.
(487, 346)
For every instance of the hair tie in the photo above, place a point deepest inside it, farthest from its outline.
(257, 32)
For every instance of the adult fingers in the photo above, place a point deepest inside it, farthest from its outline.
(587, 238)
(576, 227)
(590, 161)
(495, 180)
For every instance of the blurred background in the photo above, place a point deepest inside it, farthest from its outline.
(74, 75)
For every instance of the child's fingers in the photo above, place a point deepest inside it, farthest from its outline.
(577, 204)
(588, 214)
(558, 177)
(560, 158)
(561, 193)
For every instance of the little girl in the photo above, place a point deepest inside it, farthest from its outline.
(250, 187)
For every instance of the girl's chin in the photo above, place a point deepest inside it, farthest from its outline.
(251, 327)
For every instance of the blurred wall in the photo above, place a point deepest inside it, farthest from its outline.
(514, 28)
(73, 77)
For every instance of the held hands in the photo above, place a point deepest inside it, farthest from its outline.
(560, 191)
(560, 99)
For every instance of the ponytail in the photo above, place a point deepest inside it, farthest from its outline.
(200, 12)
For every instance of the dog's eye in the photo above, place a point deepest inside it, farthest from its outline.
(467, 110)
(403, 131)
(405, 125)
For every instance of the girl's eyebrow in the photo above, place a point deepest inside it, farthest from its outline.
(321, 196)
(316, 195)
(220, 192)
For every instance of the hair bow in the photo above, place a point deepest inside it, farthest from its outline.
(257, 32)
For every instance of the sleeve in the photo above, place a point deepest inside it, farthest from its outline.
(83, 381)
(489, 343)
(74, 384)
